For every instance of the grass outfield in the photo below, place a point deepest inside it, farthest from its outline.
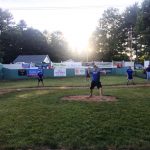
(72, 81)
(39, 119)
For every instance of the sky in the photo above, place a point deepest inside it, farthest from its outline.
(77, 19)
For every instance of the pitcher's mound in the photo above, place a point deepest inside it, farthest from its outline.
(90, 99)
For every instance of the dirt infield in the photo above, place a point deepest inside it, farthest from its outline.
(86, 98)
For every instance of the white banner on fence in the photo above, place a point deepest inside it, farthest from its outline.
(129, 64)
(104, 64)
(79, 71)
(118, 64)
(59, 65)
(59, 72)
(67, 65)
(146, 63)
(73, 64)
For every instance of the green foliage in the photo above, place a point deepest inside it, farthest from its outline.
(108, 38)
(125, 33)
(143, 27)
(18, 39)
(41, 120)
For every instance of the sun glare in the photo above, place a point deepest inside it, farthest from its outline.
(79, 30)
(76, 19)
(77, 40)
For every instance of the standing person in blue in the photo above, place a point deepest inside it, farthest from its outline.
(130, 75)
(148, 72)
(95, 74)
(40, 77)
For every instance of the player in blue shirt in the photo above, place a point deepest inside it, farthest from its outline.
(40, 77)
(95, 74)
(148, 72)
(130, 75)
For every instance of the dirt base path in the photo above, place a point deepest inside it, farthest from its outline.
(8, 90)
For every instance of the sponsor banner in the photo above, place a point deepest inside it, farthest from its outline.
(87, 64)
(59, 72)
(25, 65)
(22, 72)
(146, 63)
(118, 64)
(73, 64)
(67, 65)
(33, 72)
(79, 71)
(59, 65)
(129, 63)
(104, 64)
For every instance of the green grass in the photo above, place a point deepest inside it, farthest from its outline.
(38, 119)
(72, 81)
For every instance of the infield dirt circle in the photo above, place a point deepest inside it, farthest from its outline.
(90, 99)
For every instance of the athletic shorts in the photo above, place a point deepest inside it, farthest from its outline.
(148, 75)
(97, 84)
(130, 77)
(40, 79)
(88, 76)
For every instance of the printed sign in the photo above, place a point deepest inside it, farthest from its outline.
(146, 63)
(118, 64)
(25, 65)
(59, 65)
(22, 72)
(104, 64)
(33, 72)
(129, 63)
(59, 72)
(79, 71)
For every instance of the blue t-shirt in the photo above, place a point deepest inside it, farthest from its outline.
(129, 72)
(40, 75)
(148, 69)
(95, 75)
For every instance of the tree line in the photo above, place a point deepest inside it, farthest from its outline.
(123, 36)
(118, 36)
(18, 39)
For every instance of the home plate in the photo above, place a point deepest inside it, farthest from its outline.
(90, 99)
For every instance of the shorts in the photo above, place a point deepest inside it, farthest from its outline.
(97, 84)
(87, 76)
(40, 79)
(148, 75)
(130, 77)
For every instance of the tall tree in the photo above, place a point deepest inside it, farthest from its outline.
(107, 39)
(59, 46)
(6, 21)
(143, 28)
(129, 31)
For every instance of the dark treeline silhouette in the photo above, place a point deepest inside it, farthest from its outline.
(18, 39)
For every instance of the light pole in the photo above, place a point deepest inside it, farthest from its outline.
(130, 42)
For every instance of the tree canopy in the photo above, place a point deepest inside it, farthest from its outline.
(123, 36)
